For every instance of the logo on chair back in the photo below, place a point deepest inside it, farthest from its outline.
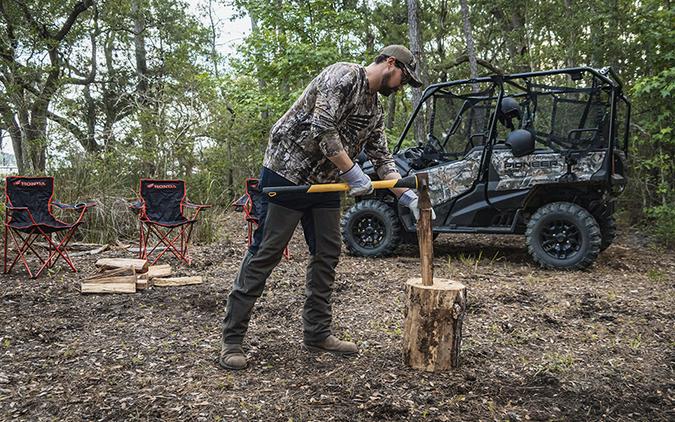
(28, 184)
(161, 186)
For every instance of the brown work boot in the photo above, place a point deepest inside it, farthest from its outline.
(232, 357)
(332, 345)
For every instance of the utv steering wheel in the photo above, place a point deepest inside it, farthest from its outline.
(434, 144)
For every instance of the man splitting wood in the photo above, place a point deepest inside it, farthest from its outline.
(316, 141)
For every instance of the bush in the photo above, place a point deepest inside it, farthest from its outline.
(663, 223)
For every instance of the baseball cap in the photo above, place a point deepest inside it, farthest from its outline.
(403, 55)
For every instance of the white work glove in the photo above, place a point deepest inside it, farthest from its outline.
(409, 199)
(359, 183)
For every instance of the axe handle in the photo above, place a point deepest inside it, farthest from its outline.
(406, 182)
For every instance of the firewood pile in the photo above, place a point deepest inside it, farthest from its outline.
(126, 275)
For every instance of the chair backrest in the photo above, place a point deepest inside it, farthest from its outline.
(255, 196)
(34, 193)
(163, 199)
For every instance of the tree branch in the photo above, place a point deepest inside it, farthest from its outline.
(92, 73)
(40, 29)
(80, 7)
(71, 127)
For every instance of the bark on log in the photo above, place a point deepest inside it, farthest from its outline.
(433, 324)
(139, 265)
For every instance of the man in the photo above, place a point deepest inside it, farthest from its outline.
(337, 116)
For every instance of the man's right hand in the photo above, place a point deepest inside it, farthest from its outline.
(359, 183)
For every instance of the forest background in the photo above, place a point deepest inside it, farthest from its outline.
(102, 93)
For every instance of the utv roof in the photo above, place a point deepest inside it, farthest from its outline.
(605, 74)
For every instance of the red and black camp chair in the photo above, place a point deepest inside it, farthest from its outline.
(28, 217)
(249, 204)
(161, 213)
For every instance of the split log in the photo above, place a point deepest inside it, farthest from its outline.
(115, 272)
(143, 282)
(163, 270)
(119, 280)
(176, 281)
(432, 332)
(139, 265)
(108, 287)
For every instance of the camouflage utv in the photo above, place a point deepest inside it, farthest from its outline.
(539, 153)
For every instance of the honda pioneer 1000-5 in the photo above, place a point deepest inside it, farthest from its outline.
(540, 154)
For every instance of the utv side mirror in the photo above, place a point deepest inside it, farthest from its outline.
(521, 142)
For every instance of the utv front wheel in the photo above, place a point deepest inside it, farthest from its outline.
(562, 235)
(370, 228)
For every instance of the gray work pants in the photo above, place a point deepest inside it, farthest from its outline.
(322, 233)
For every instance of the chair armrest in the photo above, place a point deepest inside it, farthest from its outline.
(77, 206)
(195, 206)
(135, 204)
(21, 209)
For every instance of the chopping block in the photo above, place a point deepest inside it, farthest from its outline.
(435, 307)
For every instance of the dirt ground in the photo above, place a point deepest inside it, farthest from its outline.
(538, 345)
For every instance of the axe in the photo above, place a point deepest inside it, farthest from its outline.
(405, 182)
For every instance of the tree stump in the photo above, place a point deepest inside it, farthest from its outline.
(434, 311)
(432, 333)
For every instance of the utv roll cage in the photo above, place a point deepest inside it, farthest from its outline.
(604, 79)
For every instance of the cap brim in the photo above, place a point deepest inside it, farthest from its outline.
(414, 79)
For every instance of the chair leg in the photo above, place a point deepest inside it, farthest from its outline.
(140, 240)
(164, 238)
(4, 238)
(59, 250)
(21, 249)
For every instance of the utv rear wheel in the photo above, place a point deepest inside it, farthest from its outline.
(562, 235)
(607, 230)
(370, 228)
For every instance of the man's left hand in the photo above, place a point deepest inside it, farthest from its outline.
(409, 199)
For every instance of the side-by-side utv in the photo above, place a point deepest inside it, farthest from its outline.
(538, 153)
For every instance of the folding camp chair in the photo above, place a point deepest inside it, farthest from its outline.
(28, 217)
(249, 204)
(160, 210)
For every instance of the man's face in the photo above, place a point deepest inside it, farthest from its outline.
(394, 77)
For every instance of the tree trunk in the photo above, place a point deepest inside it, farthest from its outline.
(432, 331)
(416, 49)
(15, 135)
(31, 105)
(570, 50)
(144, 103)
(391, 112)
(440, 36)
(470, 49)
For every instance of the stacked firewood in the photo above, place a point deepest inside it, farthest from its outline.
(125, 275)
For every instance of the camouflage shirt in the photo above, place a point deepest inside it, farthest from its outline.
(335, 113)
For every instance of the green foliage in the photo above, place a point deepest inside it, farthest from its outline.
(662, 219)
(211, 127)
